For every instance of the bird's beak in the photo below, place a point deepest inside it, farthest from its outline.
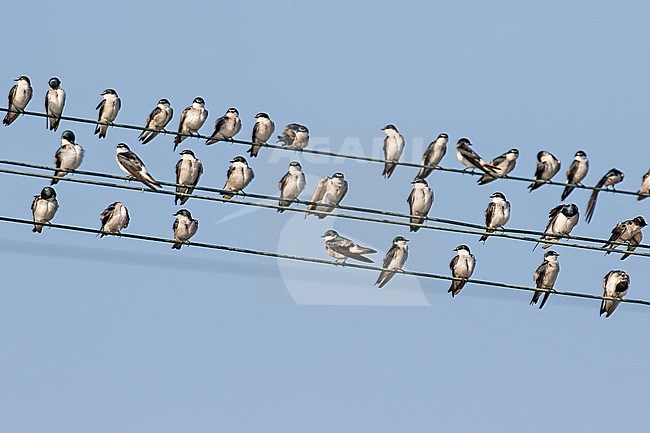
(413, 181)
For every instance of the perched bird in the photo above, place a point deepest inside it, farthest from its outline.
(420, 201)
(291, 185)
(238, 177)
(188, 172)
(433, 155)
(615, 285)
(328, 194)
(19, 96)
(462, 266)
(114, 219)
(544, 277)
(184, 228)
(393, 261)
(342, 248)
(192, 119)
(157, 119)
(471, 159)
(561, 220)
(262, 131)
(108, 109)
(133, 166)
(67, 157)
(547, 167)
(393, 148)
(645, 186)
(627, 232)
(54, 103)
(44, 208)
(497, 214)
(226, 127)
(295, 136)
(576, 173)
(611, 178)
(503, 165)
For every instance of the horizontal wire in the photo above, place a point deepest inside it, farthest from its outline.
(329, 262)
(325, 153)
(502, 234)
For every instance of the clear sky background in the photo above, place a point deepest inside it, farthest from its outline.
(106, 335)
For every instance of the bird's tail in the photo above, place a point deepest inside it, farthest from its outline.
(485, 179)
(10, 117)
(544, 299)
(567, 190)
(591, 206)
(227, 195)
(389, 168)
(54, 123)
(254, 150)
(456, 287)
(415, 228)
(534, 185)
(486, 235)
(640, 197)
(177, 246)
(536, 296)
(38, 228)
(424, 173)
(101, 130)
(150, 136)
(55, 180)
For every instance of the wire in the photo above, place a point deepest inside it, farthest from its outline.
(502, 234)
(328, 262)
(325, 153)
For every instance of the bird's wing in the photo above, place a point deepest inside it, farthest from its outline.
(156, 111)
(47, 101)
(255, 129)
(284, 181)
(128, 218)
(390, 255)
(342, 192)
(175, 225)
(616, 232)
(319, 192)
(183, 116)
(471, 156)
(12, 94)
(552, 215)
(106, 215)
(539, 273)
(57, 157)
(100, 106)
(219, 124)
(230, 171)
(452, 264)
(499, 159)
(571, 172)
(540, 169)
(411, 199)
(36, 197)
(489, 211)
(131, 163)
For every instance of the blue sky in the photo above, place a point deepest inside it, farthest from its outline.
(118, 335)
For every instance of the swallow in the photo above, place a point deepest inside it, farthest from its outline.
(157, 119)
(544, 278)
(328, 194)
(433, 155)
(503, 165)
(627, 232)
(226, 127)
(497, 214)
(133, 166)
(291, 185)
(67, 157)
(645, 187)
(262, 131)
(184, 228)
(295, 136)
(393, 261)
(576, 173)
(108, 108)
(611, 178)
(188, 172)
(615, 285)
(561, 220)
(462, 266)
(420, 200)
(471, 159)
(192, 119)
(44, 208)
(393, 148)
(19, 96)
(114, 219)
(54, 103)
(547, 167)
(342, 248)
(238, 177)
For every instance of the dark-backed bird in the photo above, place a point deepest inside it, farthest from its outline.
(497, 214)
(295, 136)
(611, 178)
(544, 278)
(547, 167)
(68, 156)
(645, 187)
(238, 177)
(393, 261)
(54, 103)
(108, 108)
(420, 200)
(44, 208)
(262, 131)
(184, 228)
(157, 120)
(192, 119)
(462, 266)
(188, 172)
(291, 185)
(576, 173)
(19, 96)
(470, 159)
(393, 148)
(615, 285)
(133, 166)
(433, 155)
(561, 220)
(342, 248)
(503, 165)
(328, 194)
(114, 219)
(629, 232)
(226, 127)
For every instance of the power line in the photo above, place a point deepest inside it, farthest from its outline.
(502, 233)
(326, 262)
(325, 153)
